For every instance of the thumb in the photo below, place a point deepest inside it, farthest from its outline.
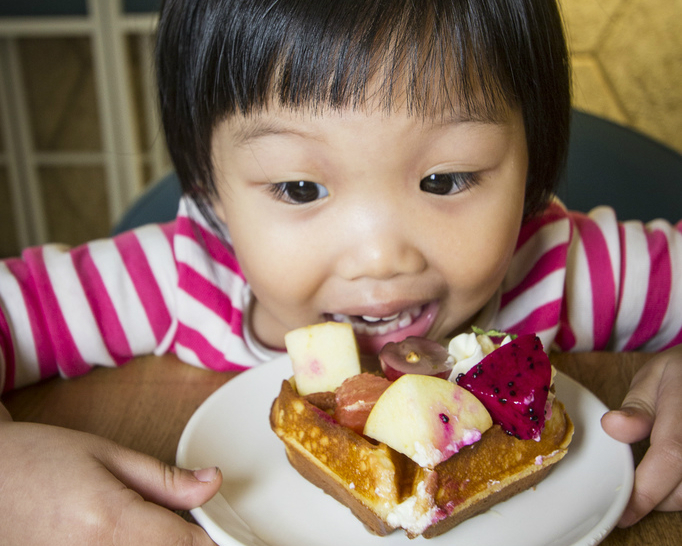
(635, 418)
(629, 424)
(167, 485)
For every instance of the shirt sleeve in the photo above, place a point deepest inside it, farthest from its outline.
(64, 310)
(623, 284)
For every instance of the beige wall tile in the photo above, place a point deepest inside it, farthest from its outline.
(59, 78)
(592, 92)
(642, 56)
(586, 20)
(75, 203)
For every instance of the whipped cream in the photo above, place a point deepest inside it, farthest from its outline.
(467, 350)
(411, 514)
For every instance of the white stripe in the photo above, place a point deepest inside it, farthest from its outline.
(547, 290)
(190, 253)
(159, 253)
(605, 217)
(547, 337)
(189, 209)
(123, 296)
(188, 355)
(579, 295)
(525, 258)
(217, 332)
(195, 315)
(26, 366)
(75, 307)
(672, 321)
(635, 283)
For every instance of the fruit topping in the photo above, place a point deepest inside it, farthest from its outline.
(427, 418)
(322, 356)
(356, 397)
(513, 383)
(415, 355)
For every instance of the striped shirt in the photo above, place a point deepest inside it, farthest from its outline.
(582, 282)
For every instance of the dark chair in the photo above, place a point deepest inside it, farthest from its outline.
(157, 205)
(608, 164)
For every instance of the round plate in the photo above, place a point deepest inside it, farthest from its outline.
(264, 501)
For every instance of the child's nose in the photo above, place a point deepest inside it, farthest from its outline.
(381, 251)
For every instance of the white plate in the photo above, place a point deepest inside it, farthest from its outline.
(264, 501)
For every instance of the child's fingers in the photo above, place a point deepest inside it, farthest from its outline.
(627, 425)
(147, 523)
(155, 481)
(635, 418)
(657, 478)
(655, 393)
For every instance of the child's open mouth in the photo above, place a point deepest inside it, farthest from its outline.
(379, 326)
(374, 332)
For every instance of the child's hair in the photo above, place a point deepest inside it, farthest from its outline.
(216, 58)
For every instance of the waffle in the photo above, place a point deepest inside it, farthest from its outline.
(386, 490)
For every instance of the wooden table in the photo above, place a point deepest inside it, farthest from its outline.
(146, 404)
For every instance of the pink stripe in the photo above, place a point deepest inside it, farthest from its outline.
(601, 279)
(218, 249)
(210, 296)
(565, 337)
(209, 355)
(544, 317)
(168, 230)
(143, 279)
(658, 291)
(551, 261)
(101, 305)
(530, 227)
(39, 329)
(7, 348)
(67, 354)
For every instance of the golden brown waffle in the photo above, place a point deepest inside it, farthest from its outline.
(386, 490)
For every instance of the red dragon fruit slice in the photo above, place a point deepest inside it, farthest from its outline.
(513, 382)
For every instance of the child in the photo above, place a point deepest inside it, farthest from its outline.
(388, 163)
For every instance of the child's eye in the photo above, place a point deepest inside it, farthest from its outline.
(448, 183)
(298, 193)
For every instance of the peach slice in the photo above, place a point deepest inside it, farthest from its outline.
(427, 418)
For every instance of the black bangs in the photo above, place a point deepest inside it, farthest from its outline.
(430, 56)
(474, 58)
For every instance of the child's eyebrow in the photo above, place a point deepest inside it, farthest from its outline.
(259, 128)
(253, 129)
(489, 118)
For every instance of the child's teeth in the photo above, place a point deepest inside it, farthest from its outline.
(367, 318)
(370, 325)
(405, 321)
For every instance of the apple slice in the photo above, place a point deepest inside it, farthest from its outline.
(323, 356)
(427, 418)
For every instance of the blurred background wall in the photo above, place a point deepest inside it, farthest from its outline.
(80, 137)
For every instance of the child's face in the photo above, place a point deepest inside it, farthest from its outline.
(362, 216)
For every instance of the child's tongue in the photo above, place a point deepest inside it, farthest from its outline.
(373, 333)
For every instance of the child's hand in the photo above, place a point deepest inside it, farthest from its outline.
(59, 486)
(653, 407)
